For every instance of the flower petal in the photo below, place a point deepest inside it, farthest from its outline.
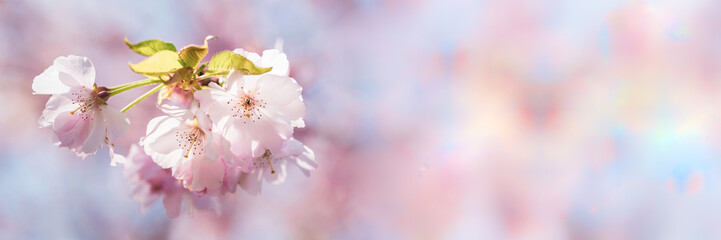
(280, 173)
(276, 59)
(282, 95)
(278, 90)
(71, 131)
(161, 125)
(116, 122)
(49, 82)
(175, 111)
(212, 144)
(300, 155)
(57, 105)
(207, 173)
(239, 139)
(306, 161)
(172, 201)
(79, 68)
(96, 137)
(268, 134)
(292, 113)
(251, 182)
(249, 84)
(169, 160)
(161, 142)
(214, 102)
(65, 74)
(234, 81)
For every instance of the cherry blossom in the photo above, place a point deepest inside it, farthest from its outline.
(272, 166)
(215, 133)
(256, 113)
(149, 182)
(76, 111)
(184, 142)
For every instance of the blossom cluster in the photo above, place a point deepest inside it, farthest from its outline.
(225, 123)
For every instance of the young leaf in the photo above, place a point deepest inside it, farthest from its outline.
(160, 63)
(184, 75)
(150, 47)
(223, 62)
(190, 56)
(180, 78)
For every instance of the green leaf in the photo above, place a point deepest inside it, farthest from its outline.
(191, 56)
(150, 47)
(161, 63)
(184, 75)
(223, 62)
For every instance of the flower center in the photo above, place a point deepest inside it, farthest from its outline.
(247, 107)
(264, 162)
(86, 102)
(191, 139)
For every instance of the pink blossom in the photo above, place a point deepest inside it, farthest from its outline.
(272, 166)
(255, 113)
(149, 182)
(79, 117)
(185, 143)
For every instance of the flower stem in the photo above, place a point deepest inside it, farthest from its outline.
(136, 101)
(128, 86)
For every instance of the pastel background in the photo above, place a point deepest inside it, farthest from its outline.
(431, 119)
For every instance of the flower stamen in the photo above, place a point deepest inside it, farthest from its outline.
(247, 106)
(191, 143)
(192, 139)
(266, 155)
(84, 102)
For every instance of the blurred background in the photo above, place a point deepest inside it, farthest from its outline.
(430, 119)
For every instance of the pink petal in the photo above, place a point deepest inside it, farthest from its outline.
(79, 68)
(207, 173)
(251, 182)
(57, 105)
(96, 137)
(116, 122)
